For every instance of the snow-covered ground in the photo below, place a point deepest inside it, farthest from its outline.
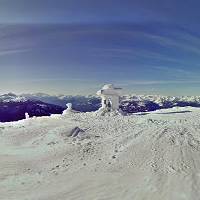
(83, 156)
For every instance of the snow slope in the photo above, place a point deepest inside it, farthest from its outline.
(153, 155)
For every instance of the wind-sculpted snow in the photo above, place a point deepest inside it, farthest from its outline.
(83, 156)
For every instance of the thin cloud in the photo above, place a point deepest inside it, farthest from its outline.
(174, 71)
(158, 82)
(17, 51)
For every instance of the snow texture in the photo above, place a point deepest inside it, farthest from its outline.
(86, 156)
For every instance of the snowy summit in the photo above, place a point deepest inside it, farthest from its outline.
(83, 156)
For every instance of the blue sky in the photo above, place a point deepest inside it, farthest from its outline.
(75, 46)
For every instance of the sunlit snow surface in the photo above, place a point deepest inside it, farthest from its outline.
(84, 156)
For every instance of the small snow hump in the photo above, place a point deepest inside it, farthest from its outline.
(27, 116)
(75, 131)
(69, 108)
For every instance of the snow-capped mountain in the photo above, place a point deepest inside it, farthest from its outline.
(80, 103)
(13, 107)
(10, 97)
(142, 103)
(129, 103)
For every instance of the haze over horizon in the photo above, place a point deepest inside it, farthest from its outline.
(74, 46)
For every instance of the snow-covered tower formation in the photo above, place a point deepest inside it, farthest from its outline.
(110, 97)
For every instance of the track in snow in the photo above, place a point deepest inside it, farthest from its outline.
(143, 156)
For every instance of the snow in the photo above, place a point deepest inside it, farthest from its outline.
(27, 116)
(61, 99)
(109, 97)
(86, 156)
(10, 97)
(159, 99)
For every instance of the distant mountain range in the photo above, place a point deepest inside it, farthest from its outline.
(13, 107)
(80, 103)
(144, 103)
